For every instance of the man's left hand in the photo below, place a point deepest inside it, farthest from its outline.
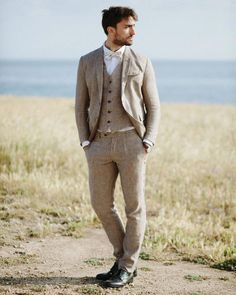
(147, 147)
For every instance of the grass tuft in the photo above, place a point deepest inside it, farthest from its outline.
(193, 278)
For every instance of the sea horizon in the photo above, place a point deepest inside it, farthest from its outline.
(178, 80)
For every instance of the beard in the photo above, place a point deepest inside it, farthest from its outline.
(122, 41)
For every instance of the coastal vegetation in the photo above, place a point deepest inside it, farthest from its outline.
(190, 182)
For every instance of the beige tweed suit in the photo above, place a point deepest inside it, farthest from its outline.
(113, 153)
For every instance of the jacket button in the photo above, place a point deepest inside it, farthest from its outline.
(109, 101)
(108, 121)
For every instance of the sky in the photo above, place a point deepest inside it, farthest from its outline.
(167, 29)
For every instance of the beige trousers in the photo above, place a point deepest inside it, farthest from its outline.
(107, 156)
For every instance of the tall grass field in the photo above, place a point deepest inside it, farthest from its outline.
(190, 181)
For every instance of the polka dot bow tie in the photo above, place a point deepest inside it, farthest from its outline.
(110, 55)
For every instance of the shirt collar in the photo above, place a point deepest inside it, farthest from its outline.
(108, 51)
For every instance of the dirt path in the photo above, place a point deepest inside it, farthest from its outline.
(63, 265)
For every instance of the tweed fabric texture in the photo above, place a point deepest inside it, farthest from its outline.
(120, 154)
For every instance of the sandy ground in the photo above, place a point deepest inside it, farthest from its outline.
(64, 265)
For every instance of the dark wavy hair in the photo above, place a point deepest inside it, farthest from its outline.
(113, 15)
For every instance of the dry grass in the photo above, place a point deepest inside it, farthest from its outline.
(191, 178)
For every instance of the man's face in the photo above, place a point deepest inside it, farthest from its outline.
(124, 32)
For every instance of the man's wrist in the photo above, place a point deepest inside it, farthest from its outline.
(148, 142)
(85, 143)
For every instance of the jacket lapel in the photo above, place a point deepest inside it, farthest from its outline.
(99, 71)
(130, 67)
(125, 69)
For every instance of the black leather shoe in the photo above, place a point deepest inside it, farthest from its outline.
(108, 275)
(120, 279)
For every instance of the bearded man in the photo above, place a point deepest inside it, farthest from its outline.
(117, 113)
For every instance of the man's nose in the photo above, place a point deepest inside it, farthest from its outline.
(132, 32)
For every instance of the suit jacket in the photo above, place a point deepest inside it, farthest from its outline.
(139, 94)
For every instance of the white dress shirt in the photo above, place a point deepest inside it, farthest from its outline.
(112, 58)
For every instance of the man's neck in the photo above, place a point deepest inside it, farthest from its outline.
(110, 45)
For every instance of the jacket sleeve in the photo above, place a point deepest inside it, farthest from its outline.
(152, 103)
(82, 103)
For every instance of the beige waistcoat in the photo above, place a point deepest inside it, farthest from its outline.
(113, 117)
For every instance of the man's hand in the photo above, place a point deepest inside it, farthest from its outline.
(85, 143)
(147, 147)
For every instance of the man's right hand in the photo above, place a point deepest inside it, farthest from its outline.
(85, 143)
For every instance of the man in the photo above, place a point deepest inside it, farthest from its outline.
(117, 114)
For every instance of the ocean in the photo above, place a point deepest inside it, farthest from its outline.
(178, 81)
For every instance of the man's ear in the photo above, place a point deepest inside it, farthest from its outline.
(111, 30)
